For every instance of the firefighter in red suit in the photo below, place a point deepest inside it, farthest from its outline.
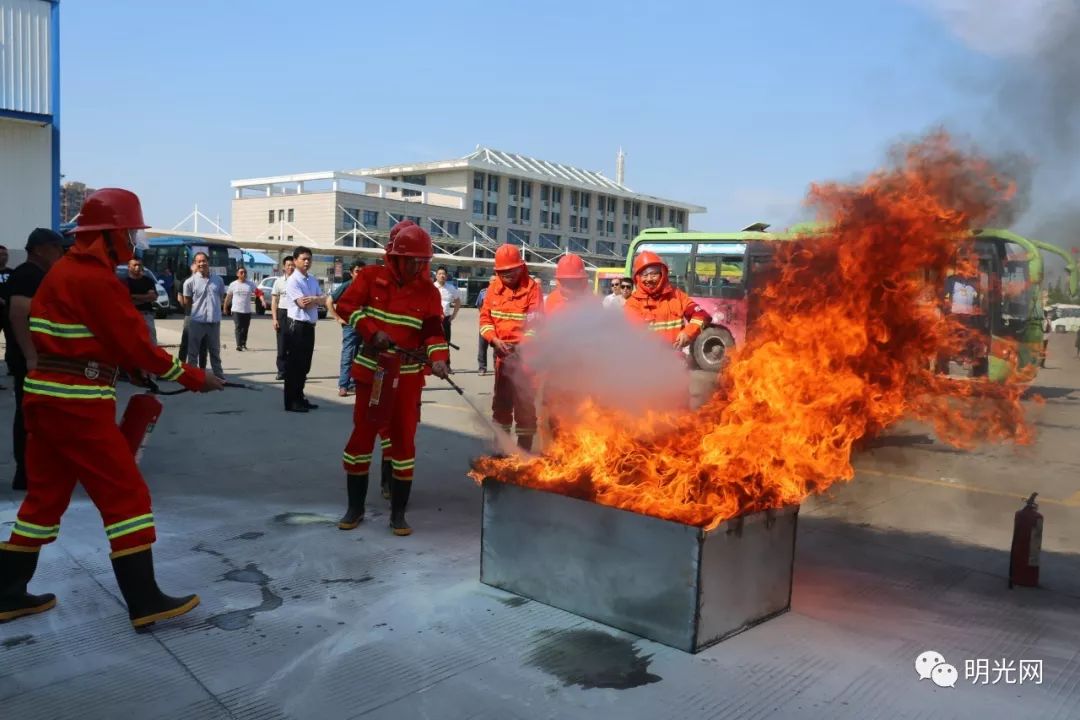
(393, 306)
(86, 330)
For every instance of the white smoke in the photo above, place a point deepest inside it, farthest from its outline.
(585, 351)
(1001, 28)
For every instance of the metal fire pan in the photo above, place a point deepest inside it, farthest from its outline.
(665, 581)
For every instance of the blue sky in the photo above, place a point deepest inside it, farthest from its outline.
(737, 106)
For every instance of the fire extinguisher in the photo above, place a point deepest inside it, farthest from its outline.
(1026, 545)
(383, 389)
(140, 417)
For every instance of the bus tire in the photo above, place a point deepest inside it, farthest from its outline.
(711, 347)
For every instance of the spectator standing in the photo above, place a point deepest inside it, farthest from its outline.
(5, 272)
(143, 294)
(204, 293)
(482, 344)
(43, 248)
(451, 300)
(277, 312)
(621, 288)
(302, 297)
(182, 353)
(240, 303)
(350, 339)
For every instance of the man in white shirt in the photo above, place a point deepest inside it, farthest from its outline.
(277, 312)
(451, 299)
(621, 288)
(239, 302)
(302, 298)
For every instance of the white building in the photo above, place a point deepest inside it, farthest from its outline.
(29, 119)
(470, 205)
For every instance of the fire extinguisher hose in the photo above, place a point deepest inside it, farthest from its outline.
(155, 389)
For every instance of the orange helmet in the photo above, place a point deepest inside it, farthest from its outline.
(570, 267)
(646, 259)
(110, 209)
(410, 241)
(508, 257)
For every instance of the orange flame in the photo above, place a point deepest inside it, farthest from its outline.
(839, 353)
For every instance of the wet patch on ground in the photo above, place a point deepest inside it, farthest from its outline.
(349, 581)
(301, 518)
(239, 619)
(591, 659)
(18, 640)
(514, 602)
(248, 536)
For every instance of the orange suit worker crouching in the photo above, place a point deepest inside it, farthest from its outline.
(513, 300)
(395, 304)
(85, 330)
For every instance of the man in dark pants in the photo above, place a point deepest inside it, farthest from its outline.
(204, 346)
(302, 297)
(482, 344)
(43, 248)
(278, 314)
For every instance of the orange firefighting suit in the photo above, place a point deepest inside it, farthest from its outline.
(411, 314)
(82, 321)
(667, 311)
(504, 315)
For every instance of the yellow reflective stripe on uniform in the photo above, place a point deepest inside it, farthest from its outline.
(484, 328)
(411, 369)
(38, 532)
(437, 347)
(530, 333)
(503, 315)
(394, 319)
(386, 444)
(364, 361)
(126, 527)
(403, 464)
(72, 392)
(63, 330)
(698, 321)
(665, 325)
(174, 372)
(356, 459)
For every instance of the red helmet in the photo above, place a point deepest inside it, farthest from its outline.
(398, 227)
(646, 259)
(508, 257)
(570, 267)
(411, 241)
(110, 209)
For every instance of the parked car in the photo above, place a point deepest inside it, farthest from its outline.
(1065, 318)
(162, 306)
(264, 289)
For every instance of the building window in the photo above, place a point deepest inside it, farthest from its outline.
(478, 181)
(478, 208)
(600, 225)
(635, 231)
(392, 219)
(625, 250)
(549, 242)
(493, 183)
(415, 180)
(556, 220)
(625, 231)
(348, 219)
(291, 216)
(556, 195)
(414, 218)
(271, 217)
(610, 227)
(518, 237)
(445, 228)
(512, 213)
(605, 247)
(492, 211)
(579, 245)
(512, 187)
(281, 215)
(545, 193)
(371, 218)
(671, 216)
(526, 189)
(573, 224)
(271, 238)
(626, 204)
(586, 200)
(493, 232)
(526, 216)
(453, 228)
(289, 238)
(544, 218)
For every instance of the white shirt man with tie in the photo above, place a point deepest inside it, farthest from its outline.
(302, 297)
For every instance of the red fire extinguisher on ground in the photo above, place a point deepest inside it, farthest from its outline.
(140, 417)
(383, 389)
(1026, 545)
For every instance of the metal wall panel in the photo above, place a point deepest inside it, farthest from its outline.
(25, 56)
(26, 182)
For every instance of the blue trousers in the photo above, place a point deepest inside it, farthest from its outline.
(350, 345)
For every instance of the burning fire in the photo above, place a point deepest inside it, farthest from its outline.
(840, 353)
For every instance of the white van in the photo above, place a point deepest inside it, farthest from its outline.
(1065, 318)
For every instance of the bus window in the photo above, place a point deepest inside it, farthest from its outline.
(223, 262)
(1017, 298)
(719, 269)
(676, 256)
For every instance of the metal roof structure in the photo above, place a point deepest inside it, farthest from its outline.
(556, 171)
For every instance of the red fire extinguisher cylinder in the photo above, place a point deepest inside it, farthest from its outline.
(1026, 545)
(140, 417)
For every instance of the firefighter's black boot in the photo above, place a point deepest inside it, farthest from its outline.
(357, 488)
(146, 603)
(525, 442)
(384, 478)
(17, 566)
(399, 499)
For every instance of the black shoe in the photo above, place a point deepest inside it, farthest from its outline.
(385, 476)
(399, 499)
(146, 603)
(19, 481)
(309, 405)
(357, 490)
(280, 376)
(17, 566)
(296, 408)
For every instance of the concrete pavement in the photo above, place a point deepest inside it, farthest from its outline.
(300, 620)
